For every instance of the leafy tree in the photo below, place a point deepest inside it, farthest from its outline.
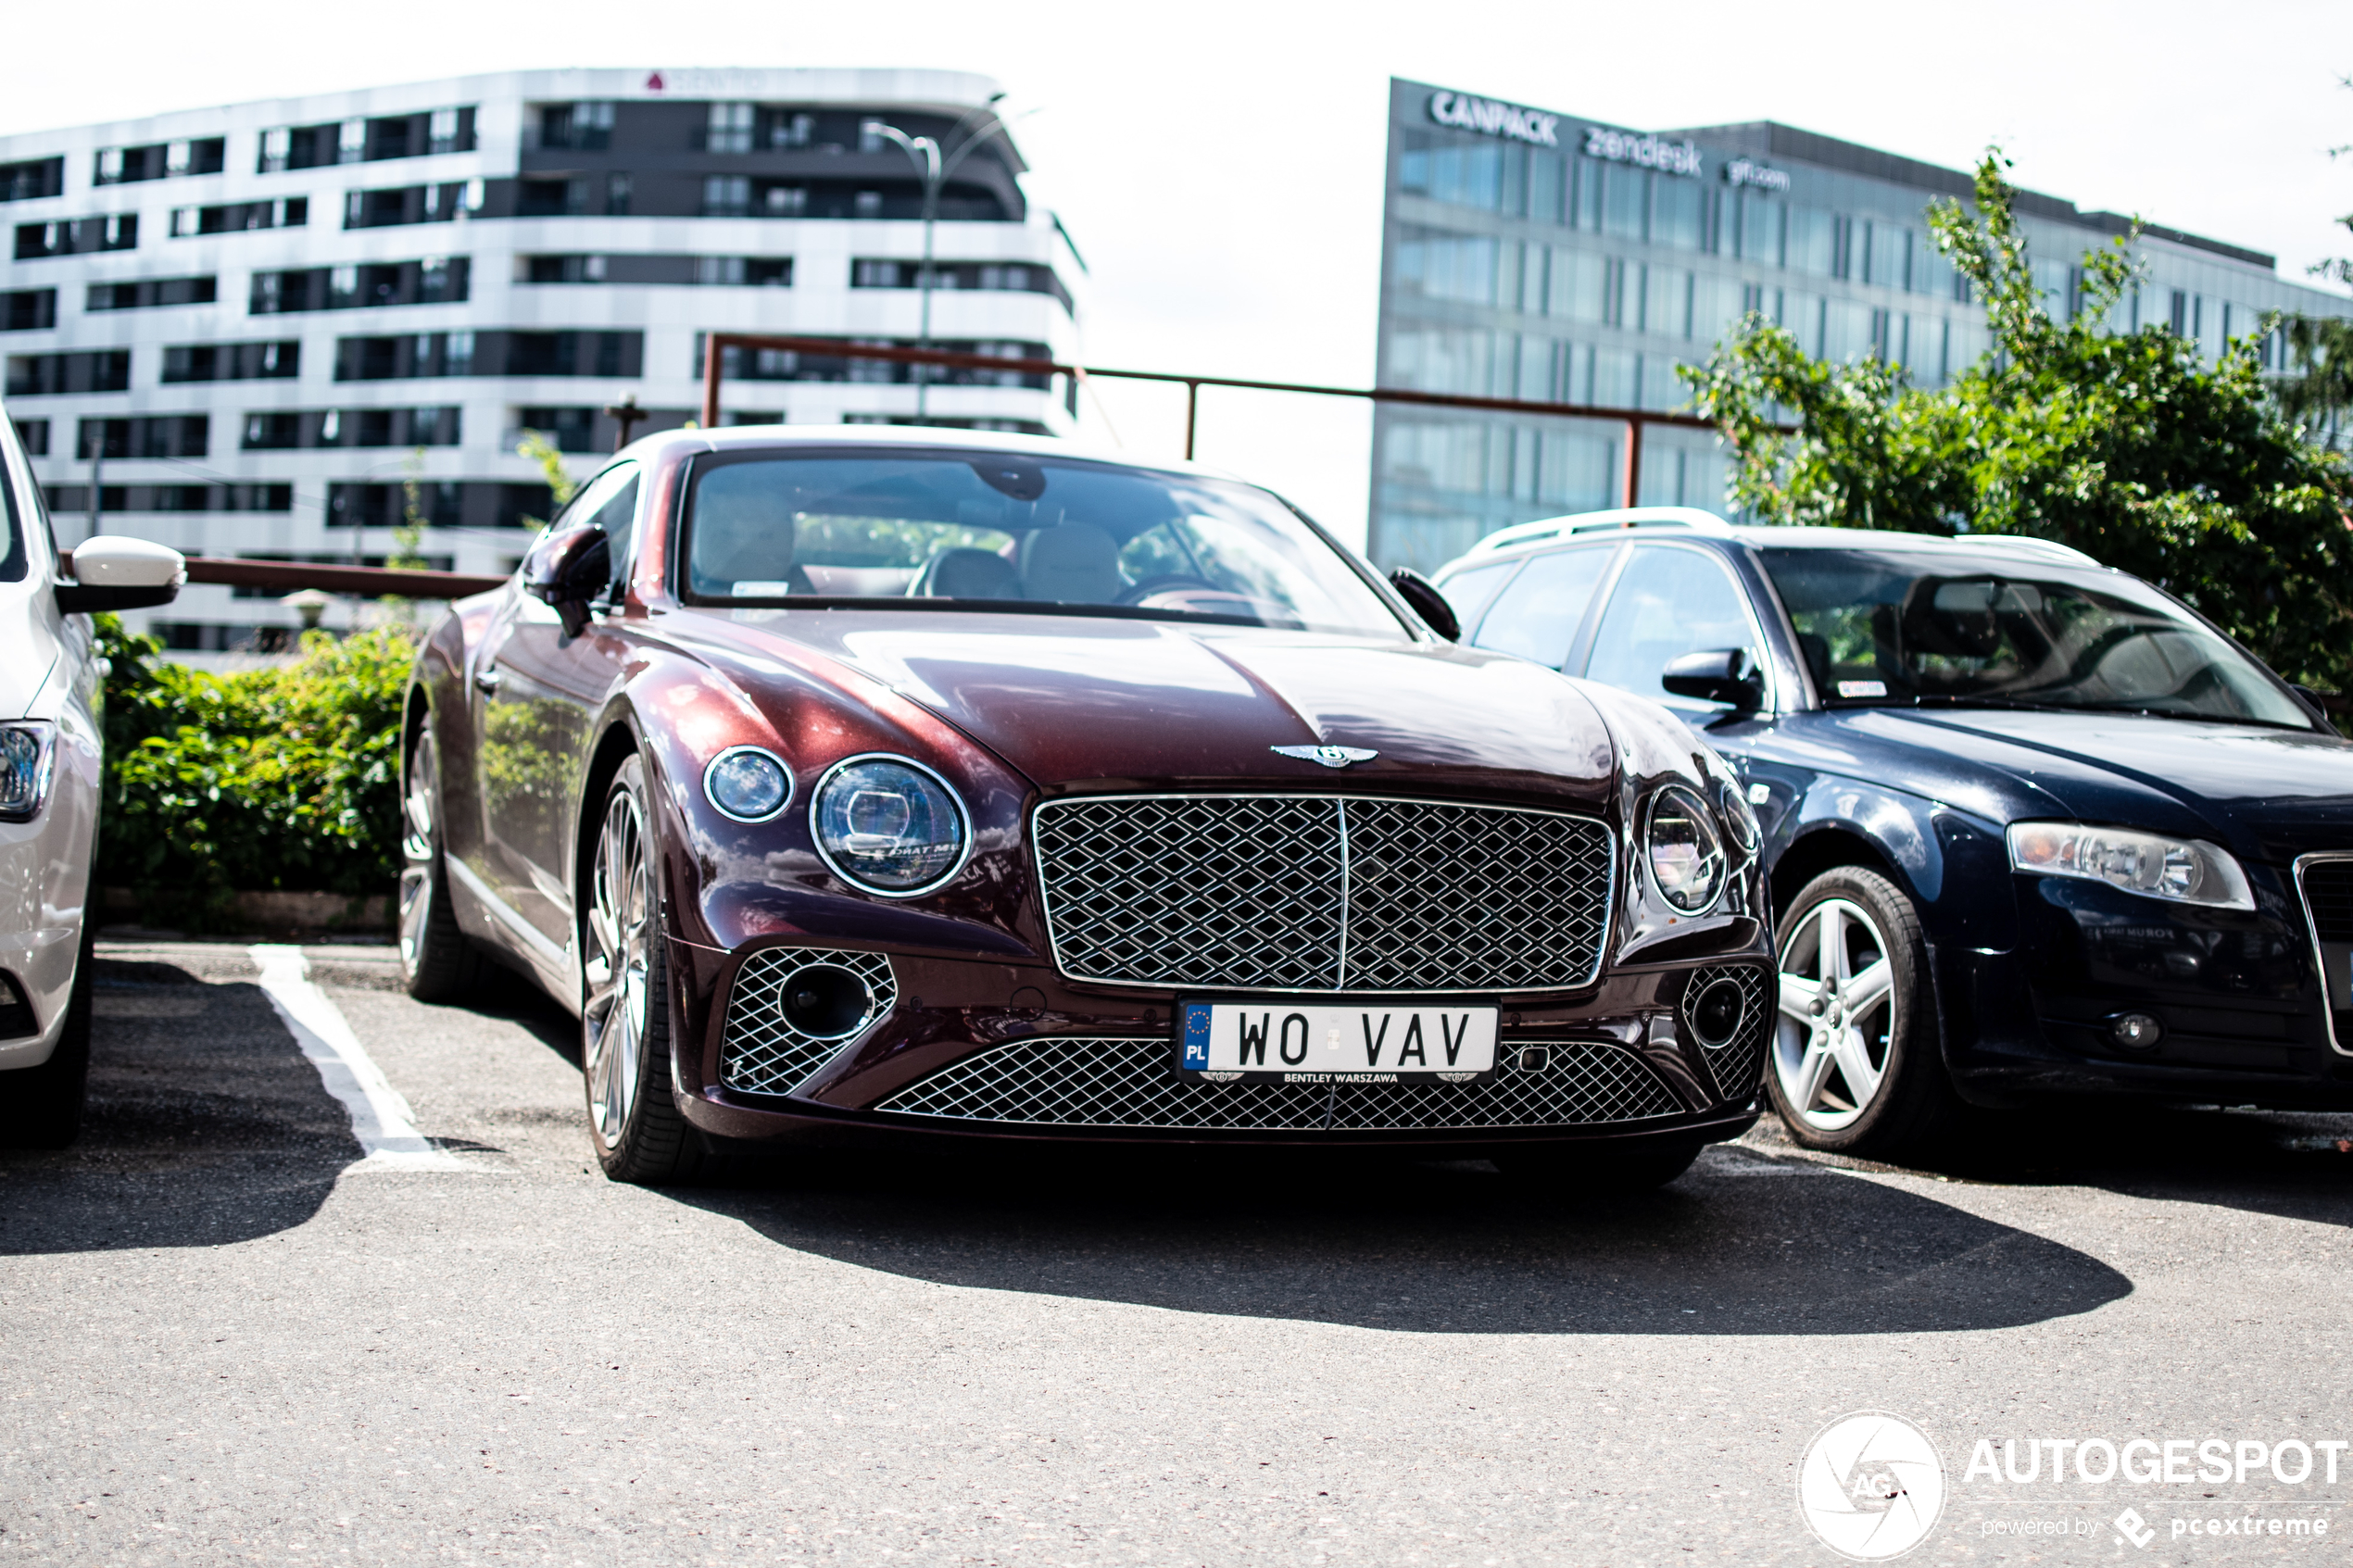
(561, 486)
(2126, 445)
(2321, 393)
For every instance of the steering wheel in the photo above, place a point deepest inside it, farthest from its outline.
(1138, 593)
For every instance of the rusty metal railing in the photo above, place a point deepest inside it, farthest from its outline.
(1635, 420)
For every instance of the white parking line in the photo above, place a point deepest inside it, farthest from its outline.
(381, 1119)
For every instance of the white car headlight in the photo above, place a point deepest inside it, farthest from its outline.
(889, 825)
(2186, 870)
(27, 761)
(748, 783)
(1685, 850)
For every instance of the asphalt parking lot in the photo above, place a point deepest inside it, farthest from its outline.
(227, 1338)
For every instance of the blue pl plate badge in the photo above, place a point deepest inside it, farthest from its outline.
(1196, 1054)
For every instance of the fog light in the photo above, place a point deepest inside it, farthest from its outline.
(1715, 1012)
(825, 1001)
(2135, 1030)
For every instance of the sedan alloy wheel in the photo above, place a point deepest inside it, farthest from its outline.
(1837, 1015)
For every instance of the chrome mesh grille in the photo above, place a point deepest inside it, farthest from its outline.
(1739, 1063)
(1323, 892)
(1128, 1082)
(761, 1053)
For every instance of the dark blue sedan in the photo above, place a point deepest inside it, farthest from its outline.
(2035, 829)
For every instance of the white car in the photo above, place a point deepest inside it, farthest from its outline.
(50, 757)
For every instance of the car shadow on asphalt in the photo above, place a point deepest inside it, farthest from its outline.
(206, 1125)
(1745, 1243)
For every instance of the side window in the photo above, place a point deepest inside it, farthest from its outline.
(1471, 591)
(1538, 616)
(1669, 601)
(610, 502)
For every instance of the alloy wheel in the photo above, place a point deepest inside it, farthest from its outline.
(419, 841)
(1835, 1032)
(620, 939)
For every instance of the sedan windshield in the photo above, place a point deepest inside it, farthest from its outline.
(1892, 626)
(988, 531)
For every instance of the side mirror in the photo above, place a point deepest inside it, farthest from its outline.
(114, 572)
(1717, 675)
(1428, 602)
(569, 570)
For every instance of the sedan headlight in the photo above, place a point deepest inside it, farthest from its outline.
(27, 759)
(2186, 870)
(748, 783)
(1685, 850)
(889, 825)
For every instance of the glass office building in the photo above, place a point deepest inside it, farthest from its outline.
(1530, 254)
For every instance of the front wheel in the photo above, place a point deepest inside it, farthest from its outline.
(1856, 1064)
(624, 1046)
(41, 1106)
(438, 962)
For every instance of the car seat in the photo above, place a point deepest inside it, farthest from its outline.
(1074, 564)
(743, 532)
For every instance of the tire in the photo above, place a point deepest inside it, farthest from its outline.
(1857, 1066)
(41, 1106)
(624, 1043)
(438, 961)
(1607, 1170)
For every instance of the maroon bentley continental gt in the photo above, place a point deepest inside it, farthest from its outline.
(851, 784)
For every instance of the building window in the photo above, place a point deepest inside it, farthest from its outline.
(729, 130)
(77, 236)
(28, 311)
(585, 127)
(35, 434)
(617, 193)
(868, 204)
(170, 436)
(784, 201)
(232, 361)
(292, 212)
(562, 270)
(34, 376)
(785, 130)
(159, 160)
(552, 198)
(33, 180)
(726, 196)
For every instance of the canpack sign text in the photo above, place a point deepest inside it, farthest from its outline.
(1490, 118)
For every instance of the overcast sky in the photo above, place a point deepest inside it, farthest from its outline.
(1220, 164)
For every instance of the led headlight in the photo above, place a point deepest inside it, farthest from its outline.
(2186, 870)
(1685, 850)
(27, 759)
(889, 825)
(748, 783)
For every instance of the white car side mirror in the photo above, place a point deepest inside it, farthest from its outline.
(115, 573)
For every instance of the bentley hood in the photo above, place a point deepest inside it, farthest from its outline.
(1082, 701)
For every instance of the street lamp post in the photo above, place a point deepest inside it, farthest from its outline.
(933, 165)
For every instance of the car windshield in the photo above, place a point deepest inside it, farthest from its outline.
(1893, 626)
(999, 530)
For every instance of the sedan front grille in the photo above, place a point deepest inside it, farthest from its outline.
(2328, 894)
(1128, 1084)
(1323, 892)
(1738, 1060)
(760, 1051)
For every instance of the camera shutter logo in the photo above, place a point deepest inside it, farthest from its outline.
(1870, 1486)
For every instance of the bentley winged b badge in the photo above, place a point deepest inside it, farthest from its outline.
(1330, 756)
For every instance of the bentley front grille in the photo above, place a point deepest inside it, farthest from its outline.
(1323, 892)
(1738, 1059)
(1127, 1083)
(761, 1050)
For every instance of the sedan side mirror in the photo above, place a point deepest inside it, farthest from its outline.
(114, 572)
(1717, 675)
(568, 571)
(1428, 602)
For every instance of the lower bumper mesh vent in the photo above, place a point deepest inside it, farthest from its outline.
(1738, 1061)
(1126, 1083)
(761, 1052)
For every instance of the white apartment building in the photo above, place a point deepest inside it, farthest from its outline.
(262, 324)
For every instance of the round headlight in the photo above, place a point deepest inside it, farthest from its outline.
(1685, 849)
(889, 825)
(748, 783)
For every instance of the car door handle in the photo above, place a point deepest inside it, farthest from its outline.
(486, 679)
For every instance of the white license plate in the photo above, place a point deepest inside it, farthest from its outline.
(1313, 1044)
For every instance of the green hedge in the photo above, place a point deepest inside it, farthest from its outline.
(278, 778)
